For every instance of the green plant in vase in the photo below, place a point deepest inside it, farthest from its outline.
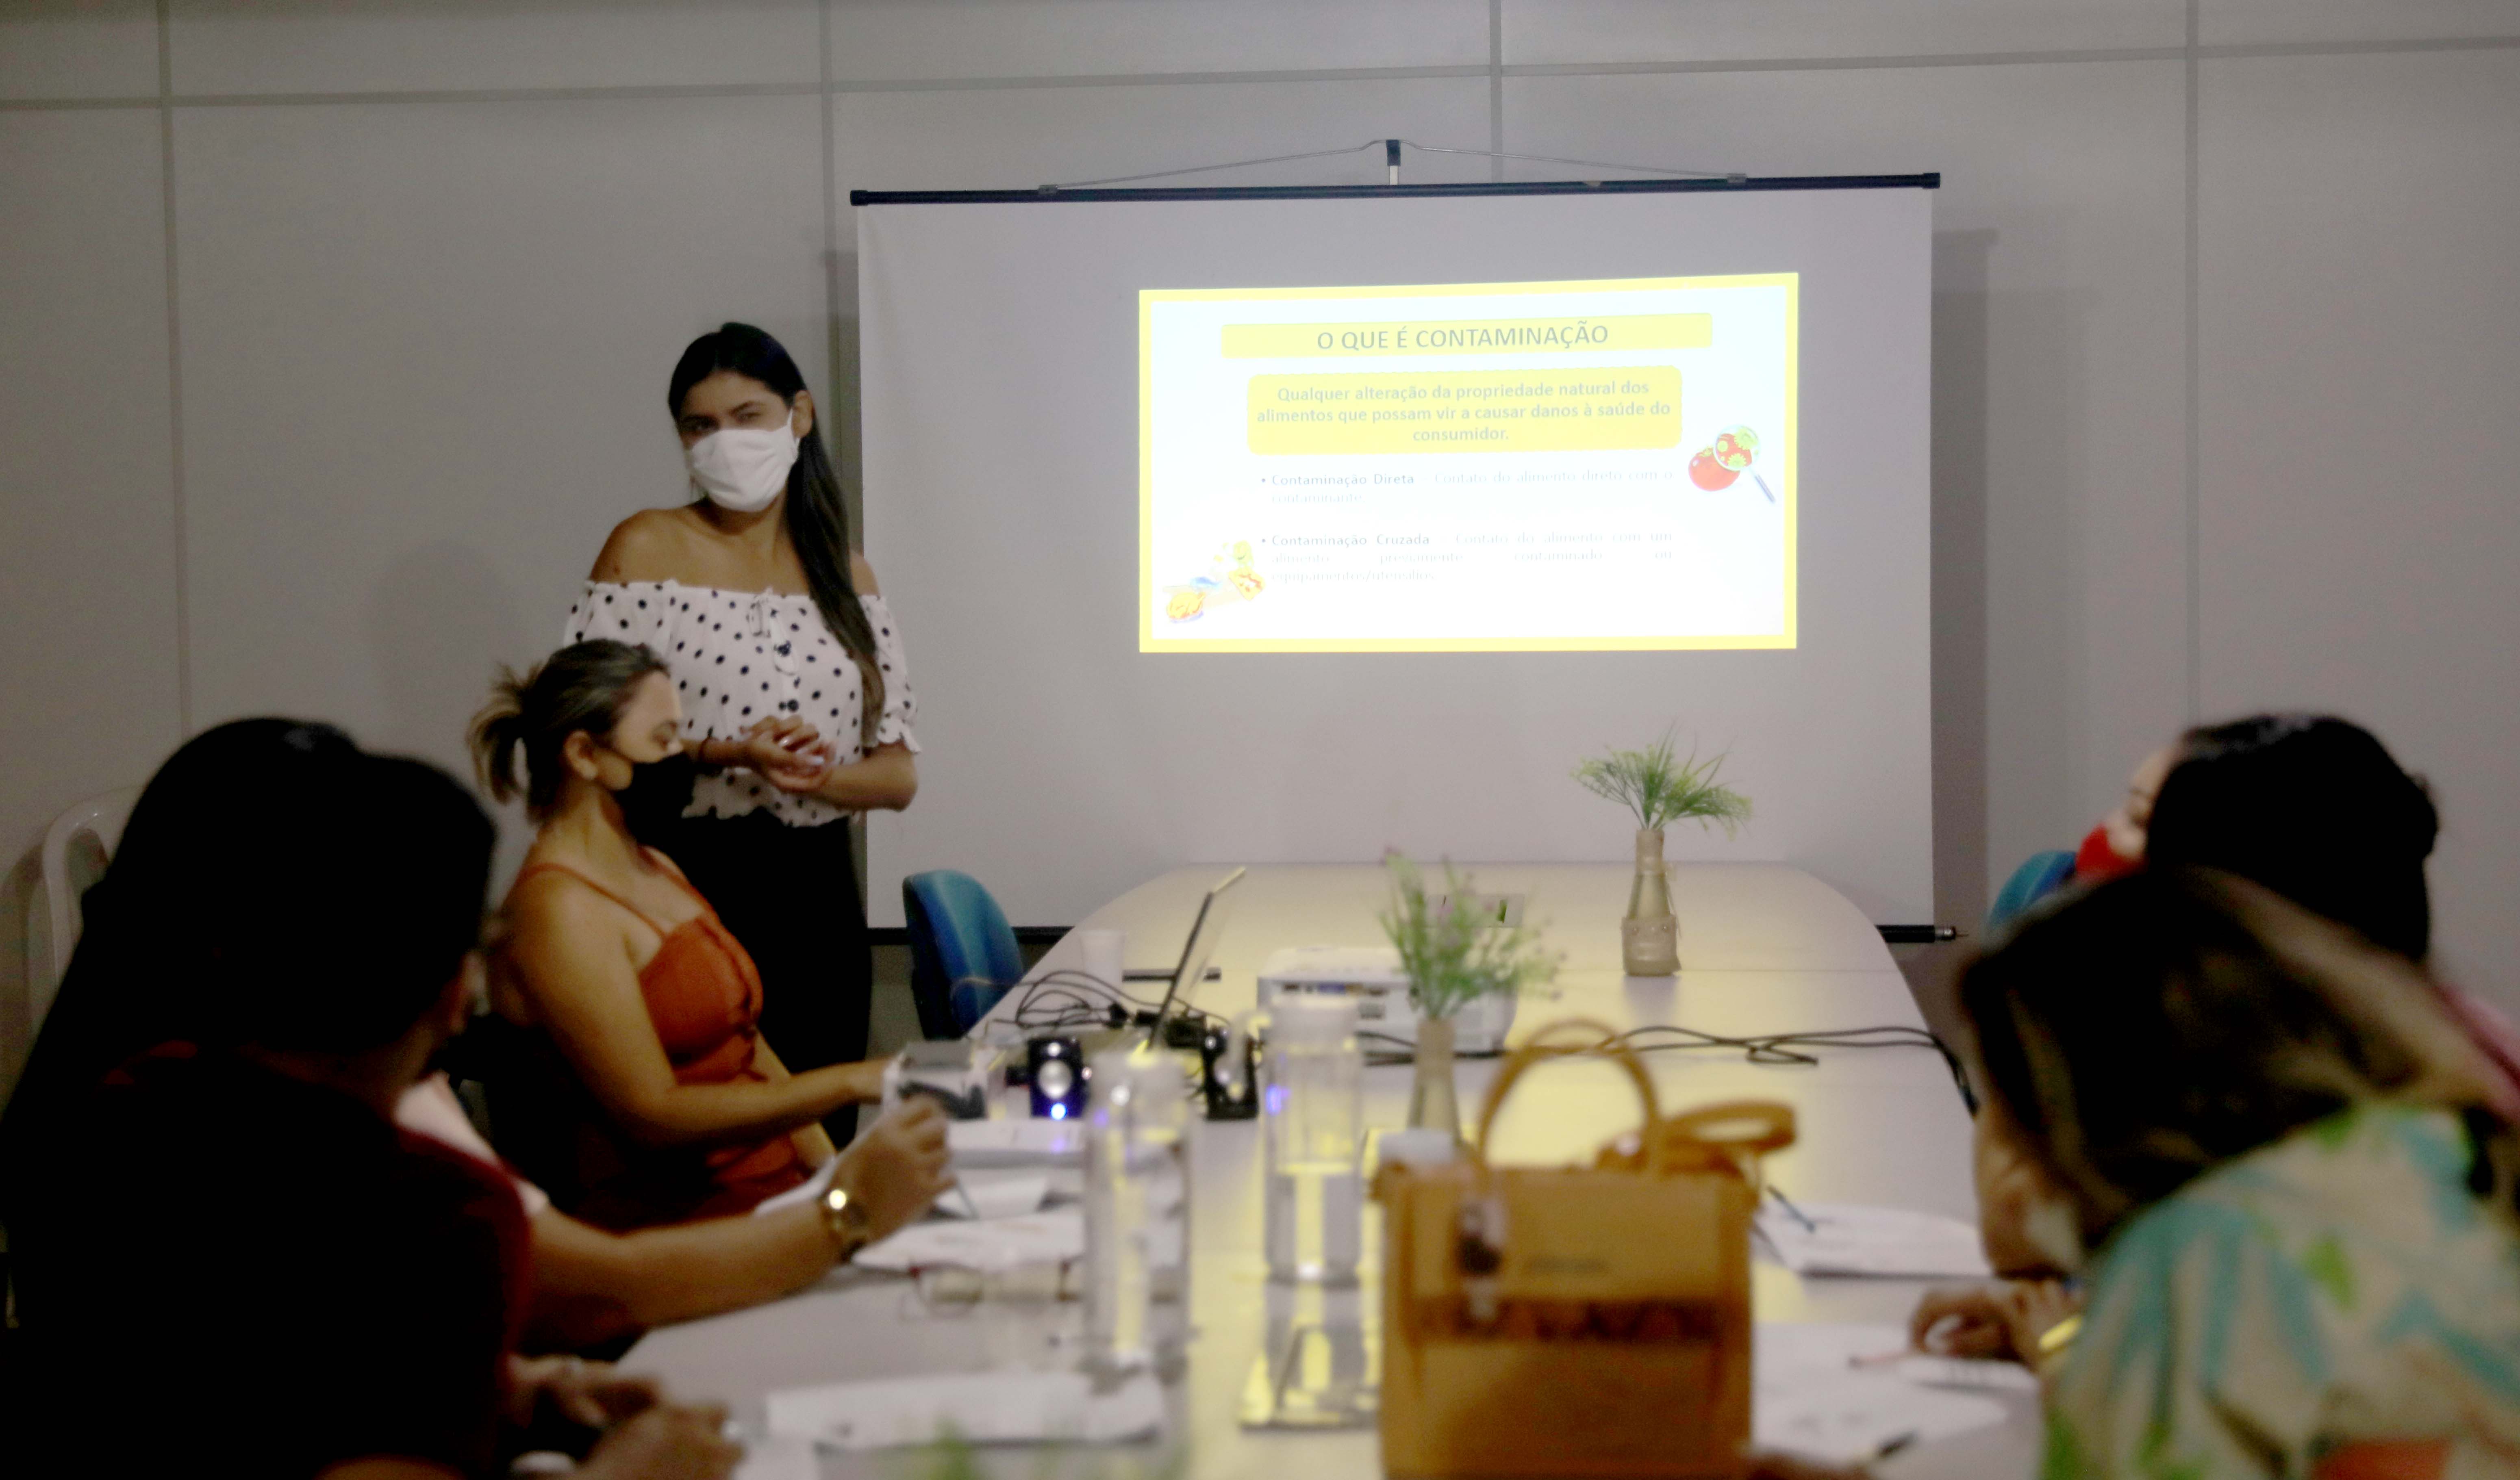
(1659, 787)
(1453, 958)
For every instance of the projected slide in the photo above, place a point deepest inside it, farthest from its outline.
(1468, 466)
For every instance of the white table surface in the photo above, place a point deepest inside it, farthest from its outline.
(1764, 948)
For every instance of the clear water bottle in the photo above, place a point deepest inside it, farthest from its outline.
(1137, 1209)
(1312, 1113)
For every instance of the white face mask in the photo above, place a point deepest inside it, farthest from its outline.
(742, 470)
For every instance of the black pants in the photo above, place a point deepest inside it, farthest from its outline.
(791, 896)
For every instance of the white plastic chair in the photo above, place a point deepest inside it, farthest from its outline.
(77, 847)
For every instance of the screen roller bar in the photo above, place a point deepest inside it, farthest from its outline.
(1051, 195)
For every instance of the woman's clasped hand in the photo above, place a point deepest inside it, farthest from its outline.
(786, 753)
(2003, 1320)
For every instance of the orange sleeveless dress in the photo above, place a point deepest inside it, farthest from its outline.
(704, 997)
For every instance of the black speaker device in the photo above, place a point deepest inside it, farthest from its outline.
(1062, 1082)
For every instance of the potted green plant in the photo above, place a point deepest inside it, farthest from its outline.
(1453, 958)
(1660, 786)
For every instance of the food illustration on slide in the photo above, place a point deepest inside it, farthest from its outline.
(1229, 579)
(1733, 451)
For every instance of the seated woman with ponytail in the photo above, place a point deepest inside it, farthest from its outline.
(648, 1094)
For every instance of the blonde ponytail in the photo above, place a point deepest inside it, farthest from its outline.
(580, 688)
(499, 731)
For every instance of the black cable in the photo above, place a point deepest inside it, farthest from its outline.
(1405, 1050)
(1797, 1049)
(1062, 1000)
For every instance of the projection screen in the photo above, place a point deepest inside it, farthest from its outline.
(1244, 526)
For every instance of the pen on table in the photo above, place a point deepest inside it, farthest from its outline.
(1893, 1445)
(1787, 1204)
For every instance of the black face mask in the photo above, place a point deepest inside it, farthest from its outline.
(652, 805)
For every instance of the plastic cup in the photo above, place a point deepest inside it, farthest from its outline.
(1100, 954)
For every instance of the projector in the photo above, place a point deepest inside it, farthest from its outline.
(1372, 975)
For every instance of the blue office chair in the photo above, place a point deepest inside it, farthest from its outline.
(963, 955)
(2040, 875)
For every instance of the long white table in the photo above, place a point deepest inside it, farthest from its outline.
(1764, 948)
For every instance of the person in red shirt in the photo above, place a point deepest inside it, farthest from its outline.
(2115, 844)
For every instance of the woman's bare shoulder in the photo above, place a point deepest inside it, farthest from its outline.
(862, 575)
(552, 901)
(652, 545)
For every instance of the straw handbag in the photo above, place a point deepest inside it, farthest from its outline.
(1576, 1321)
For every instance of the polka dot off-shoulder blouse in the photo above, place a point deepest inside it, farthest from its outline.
(738, 657)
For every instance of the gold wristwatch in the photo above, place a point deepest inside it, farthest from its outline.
(845, 1218)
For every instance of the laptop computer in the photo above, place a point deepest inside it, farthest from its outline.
(1197, 950)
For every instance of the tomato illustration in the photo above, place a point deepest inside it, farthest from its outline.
(1736, 447)
(1707, 471)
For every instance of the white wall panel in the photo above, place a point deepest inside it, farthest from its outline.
(329, 46)
(2060, 566)
(2281, 22)
(88, 681)
(78, 49)
(1543, 31)
(425, 350)
(2360, 353)
(1001, 139)
(898, 39)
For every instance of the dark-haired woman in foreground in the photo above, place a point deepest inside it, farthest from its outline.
(753, 596)
(661, 1099)
(2274, 1162)
(2312, 807)
(202, 1183)
(2286, 1165)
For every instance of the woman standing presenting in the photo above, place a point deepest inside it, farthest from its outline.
(776, 639)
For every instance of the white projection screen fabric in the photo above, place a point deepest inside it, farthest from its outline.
(1248, 529)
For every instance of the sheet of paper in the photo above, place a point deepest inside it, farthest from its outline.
(986, 1243)
(997, 1194)
(1014, 1142)
(1984, 1375)
(981, 1408)
(1851, 1238)
(1809, 1398)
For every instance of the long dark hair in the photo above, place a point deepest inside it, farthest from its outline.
(275, 884)
(2312, 807)
(581, 686)
(2170, 1020)
(818, 522)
